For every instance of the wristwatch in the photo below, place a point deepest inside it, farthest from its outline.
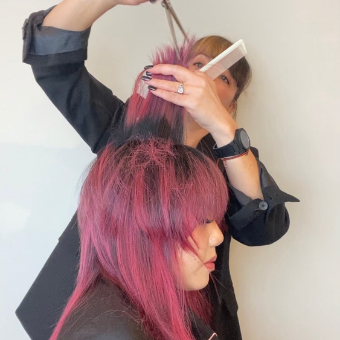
(239, 146)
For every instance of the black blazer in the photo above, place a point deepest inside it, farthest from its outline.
(57, 60)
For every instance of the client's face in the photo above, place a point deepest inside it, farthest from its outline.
(195, 269)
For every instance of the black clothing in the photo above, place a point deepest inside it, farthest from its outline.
(106, 314)
(57, 60)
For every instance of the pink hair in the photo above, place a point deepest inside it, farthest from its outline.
(138, 205)
(154, 116)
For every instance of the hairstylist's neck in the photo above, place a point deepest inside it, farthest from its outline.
(193, 131)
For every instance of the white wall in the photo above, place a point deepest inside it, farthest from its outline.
(289, 290)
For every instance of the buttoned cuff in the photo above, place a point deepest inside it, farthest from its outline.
(255, 208)
(42, 41)
(252, 209)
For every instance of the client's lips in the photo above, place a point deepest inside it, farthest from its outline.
(210, 265)
(213, 259)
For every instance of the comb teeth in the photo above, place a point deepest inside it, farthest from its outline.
(225, 60)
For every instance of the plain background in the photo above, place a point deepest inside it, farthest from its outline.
(289, 290)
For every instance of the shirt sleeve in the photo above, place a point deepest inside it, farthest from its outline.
(259, 222)
(57, 58)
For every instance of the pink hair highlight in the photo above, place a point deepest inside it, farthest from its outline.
(153, 108)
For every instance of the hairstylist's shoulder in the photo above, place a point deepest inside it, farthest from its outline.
(104, 314)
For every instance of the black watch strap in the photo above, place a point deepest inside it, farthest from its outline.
(239, 146)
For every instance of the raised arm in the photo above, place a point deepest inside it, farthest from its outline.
(55, 45)
(256, 213)
(79, 15)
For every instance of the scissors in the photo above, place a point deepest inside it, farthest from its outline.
(171, 15)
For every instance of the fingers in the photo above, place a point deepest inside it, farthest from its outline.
(189, 79)
(196, 85)
(179, 72)
(175, 98)
(170, 86)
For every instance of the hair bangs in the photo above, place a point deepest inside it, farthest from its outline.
(203, 194)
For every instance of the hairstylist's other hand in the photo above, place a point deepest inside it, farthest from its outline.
(200, 97)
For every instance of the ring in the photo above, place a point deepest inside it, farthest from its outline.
(180, 89)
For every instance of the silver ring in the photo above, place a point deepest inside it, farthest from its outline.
(180, 89)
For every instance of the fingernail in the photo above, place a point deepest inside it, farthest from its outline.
(146, 78)
(152, 88)
(148, 73)
(147, 67)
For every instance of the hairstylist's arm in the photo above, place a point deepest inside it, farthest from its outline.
(55, 45)
(201, 100)
(78, 15)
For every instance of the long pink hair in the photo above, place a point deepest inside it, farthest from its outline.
(140, 202)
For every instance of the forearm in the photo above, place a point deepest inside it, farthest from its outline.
(77, 15)
(243, 175)
(243, 172)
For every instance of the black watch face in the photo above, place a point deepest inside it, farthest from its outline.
(245, 139)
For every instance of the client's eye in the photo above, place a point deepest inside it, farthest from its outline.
(208, 221)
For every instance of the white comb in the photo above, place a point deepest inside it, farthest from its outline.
(225, 60)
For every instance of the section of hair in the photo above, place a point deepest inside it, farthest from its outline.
(138, 206)
(153, 116)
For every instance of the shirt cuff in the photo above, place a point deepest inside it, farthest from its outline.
(44, 40)
(252, 209)
(266, 181)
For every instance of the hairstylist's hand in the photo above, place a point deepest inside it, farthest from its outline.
(200, 98)
(202, 102)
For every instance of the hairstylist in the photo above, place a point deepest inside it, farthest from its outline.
(55, 44)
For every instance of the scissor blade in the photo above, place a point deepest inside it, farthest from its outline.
(172, 29)
(169, 7)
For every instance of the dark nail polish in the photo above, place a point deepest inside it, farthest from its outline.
(152, 88)
(146, 78)
(147, 67)
(149, 74)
